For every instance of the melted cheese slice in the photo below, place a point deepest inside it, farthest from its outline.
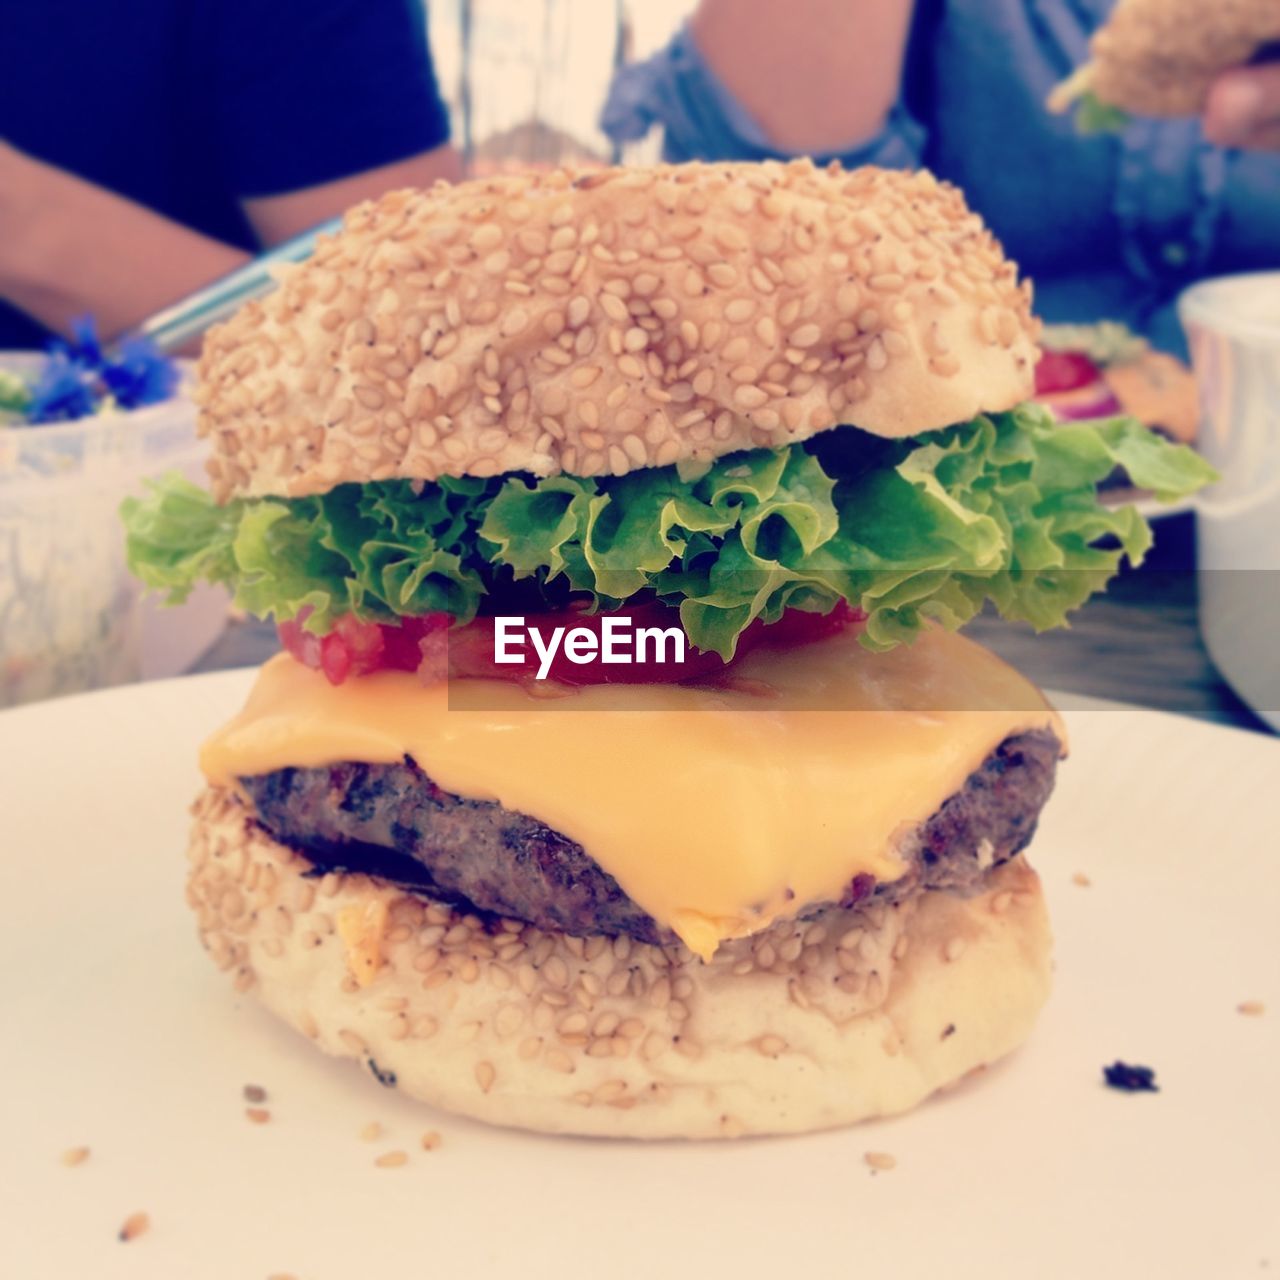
(716, 808)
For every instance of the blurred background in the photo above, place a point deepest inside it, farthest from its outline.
(142, 160)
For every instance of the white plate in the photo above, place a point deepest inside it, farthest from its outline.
(118, 1034)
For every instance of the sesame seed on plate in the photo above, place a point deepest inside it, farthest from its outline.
(73, 1156)
(881, 1161)
(1251, 1008)
(133, 1226)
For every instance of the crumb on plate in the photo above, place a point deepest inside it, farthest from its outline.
(1130, 1078)
(133, 1226)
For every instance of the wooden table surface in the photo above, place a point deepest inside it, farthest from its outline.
(1139, 643)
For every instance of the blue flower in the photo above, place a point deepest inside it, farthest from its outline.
(140, 374)
(79, 376)
(63, 391)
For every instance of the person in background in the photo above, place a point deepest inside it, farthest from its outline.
(1109, 227)
(148, 148)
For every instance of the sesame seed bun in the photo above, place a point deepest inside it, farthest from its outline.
(806, 1026)
(607, 321)
(1160, 57)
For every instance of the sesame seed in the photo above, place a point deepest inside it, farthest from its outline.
(371, 1132)
(259, 1115)
(73, 1156)
(1081, 879)
(431, 1140)
(392, 1160)
(134, 1225)
(880, 1161)
(558, 1060)
(1251, 1008)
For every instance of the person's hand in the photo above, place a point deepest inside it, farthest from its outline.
(1244, 108)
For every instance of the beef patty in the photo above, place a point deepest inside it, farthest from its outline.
(395, 823)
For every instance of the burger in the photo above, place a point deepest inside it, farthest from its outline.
(1161, 57)
(762, 874)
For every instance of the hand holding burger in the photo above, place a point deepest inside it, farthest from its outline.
(1169, 58)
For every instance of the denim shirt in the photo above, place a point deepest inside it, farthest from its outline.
(1108, 227)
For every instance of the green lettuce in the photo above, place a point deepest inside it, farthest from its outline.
(1095, 116)
(1001, 509)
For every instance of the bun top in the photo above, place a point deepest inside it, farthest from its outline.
(601, 322)
(1160, 57)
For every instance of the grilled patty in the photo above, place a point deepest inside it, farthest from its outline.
(395, 823)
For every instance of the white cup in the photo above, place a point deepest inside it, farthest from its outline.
(1233, 324)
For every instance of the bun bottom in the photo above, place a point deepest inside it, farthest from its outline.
(809, 1025)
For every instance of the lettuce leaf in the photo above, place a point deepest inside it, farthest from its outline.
(1095, 116)
(1001, 509)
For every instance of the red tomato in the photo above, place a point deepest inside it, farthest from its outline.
(429, 646)
(1064, 371)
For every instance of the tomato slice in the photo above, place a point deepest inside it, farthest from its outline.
(429, 646)
(1065, 371)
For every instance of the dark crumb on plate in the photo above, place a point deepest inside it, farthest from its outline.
(254, 1093)
(1130, 1079)
(948, 1031)
(387, 1078)
(133, 1226)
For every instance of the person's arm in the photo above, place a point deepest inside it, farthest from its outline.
(1244, 108)
(819, 76)
(68, 247)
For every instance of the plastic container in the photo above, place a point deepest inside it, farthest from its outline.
(1233, 324)
(71, 617)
